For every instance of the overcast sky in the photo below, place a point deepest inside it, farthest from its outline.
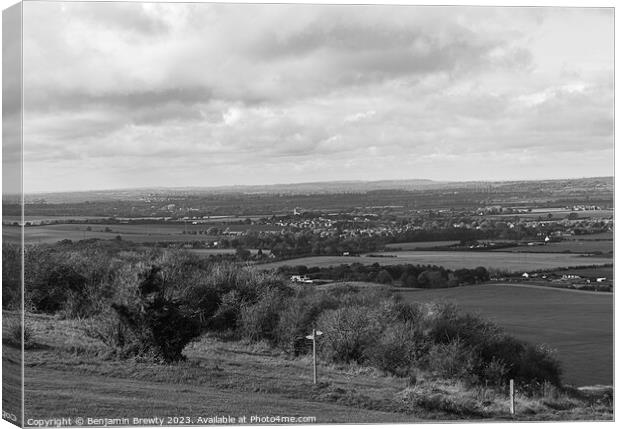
(131, 95)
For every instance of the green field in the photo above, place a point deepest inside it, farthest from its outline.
(38, 219)
(558, 214)
(510, 261)
(578, 325)
(573, 246)
(138, 233)
(412, 245)
(609, 235)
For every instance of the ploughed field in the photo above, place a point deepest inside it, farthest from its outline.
(579, 325)
(506, 261)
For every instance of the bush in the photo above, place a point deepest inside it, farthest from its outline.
(227, 312)
(496, 356)
(60, 288)
(398, 349)
(260, 320)
(155, 322)
(14, 335)
(537, 365)
(495, 372)
(298, 317)
(454, 405)
(348, 331)
(453, 360)
(11, 276)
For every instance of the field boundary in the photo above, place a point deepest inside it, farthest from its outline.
(560, 289)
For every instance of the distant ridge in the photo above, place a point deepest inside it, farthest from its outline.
(343, 186)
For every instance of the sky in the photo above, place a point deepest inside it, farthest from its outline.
(122, 95)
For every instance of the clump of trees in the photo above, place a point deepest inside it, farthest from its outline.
(406, 275)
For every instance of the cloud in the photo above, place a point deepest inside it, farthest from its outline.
(280, 93)
(360, 116)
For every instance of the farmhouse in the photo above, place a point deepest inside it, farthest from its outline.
(301, 279)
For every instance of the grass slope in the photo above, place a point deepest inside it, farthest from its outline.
(67, 374)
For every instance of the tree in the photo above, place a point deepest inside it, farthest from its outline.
(156, 321)
(384, 277)
(242, 253)
(431, 279)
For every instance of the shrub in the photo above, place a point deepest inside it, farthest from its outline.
(227, 312)
(14, 335)
(155, 322)
(446, 324)
(348, 331)
(398, 349)
(11, 276)
(351, 296)
(537, 365)
(260, 320)
(454, 405)
(495, 372)
(298, 317)
(453, 360)
(52, 292)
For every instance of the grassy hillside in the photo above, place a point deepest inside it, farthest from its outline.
(67, 374)
(104, 314)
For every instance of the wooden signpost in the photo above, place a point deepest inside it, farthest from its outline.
(312, 337)
(512, 396)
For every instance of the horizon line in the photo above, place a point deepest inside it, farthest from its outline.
(343, 181)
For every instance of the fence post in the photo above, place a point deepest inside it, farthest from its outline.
(512, 396)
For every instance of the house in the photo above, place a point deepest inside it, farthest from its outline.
(525, 275)
(301, 279)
